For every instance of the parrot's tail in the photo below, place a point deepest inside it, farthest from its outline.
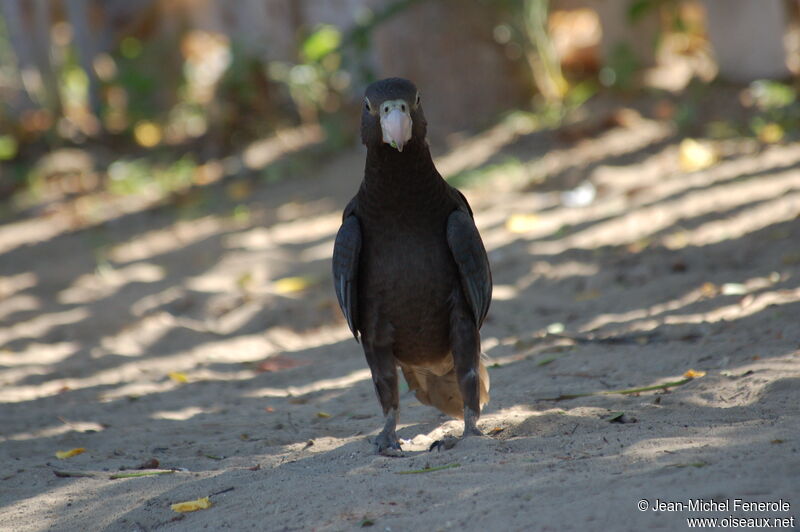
(441, 390)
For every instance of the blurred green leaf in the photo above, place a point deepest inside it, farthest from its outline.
(621, 68)
(131, 47)
(323, 41)
(639, 8)
(769, 94)
(8, 147)
(721, 129)
(581, 93)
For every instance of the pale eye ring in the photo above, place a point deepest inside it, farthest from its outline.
(366, 105)
(417, 102)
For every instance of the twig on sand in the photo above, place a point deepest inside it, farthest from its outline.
(633, 338)
(628, 391)
(428, 469)
(116, 476)
(65, 474)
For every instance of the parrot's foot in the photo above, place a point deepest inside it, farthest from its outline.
(470, 429)
(388, 444)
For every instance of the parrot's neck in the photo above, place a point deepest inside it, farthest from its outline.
(397, 178)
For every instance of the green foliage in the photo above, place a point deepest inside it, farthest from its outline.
(778, 111)
(721, 129)
(8, 147)
(686, 114)
(136, 176)
(620, 69)
(580, 93)
(323, 41)
(638, 9)
(770, 95)
(7, 69)
(73, 83)
(130, 47)
(254, 104)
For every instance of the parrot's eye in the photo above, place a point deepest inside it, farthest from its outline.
(366, 105)
(417, 103)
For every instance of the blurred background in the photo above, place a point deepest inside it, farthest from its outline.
(157, 96)
(172, 177)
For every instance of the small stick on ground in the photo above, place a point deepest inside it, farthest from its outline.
(116, 476)
(428, 469)
(74, 474)
(628, 391)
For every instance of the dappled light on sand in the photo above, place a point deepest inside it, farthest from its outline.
(214, 343)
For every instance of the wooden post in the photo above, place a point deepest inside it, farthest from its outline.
(41, 53)
(78, 16)
(448, 49)
(747, 38)
(31, 80)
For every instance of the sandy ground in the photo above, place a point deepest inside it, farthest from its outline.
(665, 271)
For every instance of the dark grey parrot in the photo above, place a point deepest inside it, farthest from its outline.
(410, 270)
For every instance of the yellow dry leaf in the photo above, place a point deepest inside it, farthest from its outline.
(191, 506)
(709, 289)
(694, 155)
(522, 223)
(677, 240)
(771, 133)
(323, 415)
(61, 455)
(244, 281)
(291, 285)
(692, 374)
(177, 376)
(147, 134)
(639, 246)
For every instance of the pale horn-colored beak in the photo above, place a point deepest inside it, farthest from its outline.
(396, 123)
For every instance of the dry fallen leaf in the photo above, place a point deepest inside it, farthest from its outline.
(191, 506)
(61, 455)
(522, 223)
(177, 376)
(692, 374)
(677, 240)
(664, 110)
(709, 289)
(694, 155)
(323, 415)
(771, 133)
(291, 285)
(245, 281)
